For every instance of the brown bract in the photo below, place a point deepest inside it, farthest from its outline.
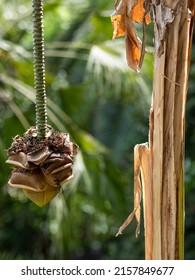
(127, 12)
(40, 167)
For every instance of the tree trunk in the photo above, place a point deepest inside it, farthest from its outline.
(173, 37)
(161, 161)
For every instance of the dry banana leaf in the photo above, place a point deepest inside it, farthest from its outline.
(127, 12)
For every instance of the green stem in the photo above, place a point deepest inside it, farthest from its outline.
(39, 68)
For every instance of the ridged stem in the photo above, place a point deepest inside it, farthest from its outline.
(39, 68)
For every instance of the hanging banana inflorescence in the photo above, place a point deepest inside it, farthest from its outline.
(42, 158)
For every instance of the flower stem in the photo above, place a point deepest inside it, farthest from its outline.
(39, 68)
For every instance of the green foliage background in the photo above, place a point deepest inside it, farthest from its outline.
(105, 107)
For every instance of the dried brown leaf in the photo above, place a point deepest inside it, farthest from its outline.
(131, 4)
(133, 46)
(118, 23)
(120, 8)
(141, 168)
(127, 12)
(138, 12)
(126, 223)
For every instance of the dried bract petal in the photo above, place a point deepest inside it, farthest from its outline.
(39, 156)
(60, 176)
(28, 180)
(43, 197)
(55, 166)
(20, 160)
(70, 148)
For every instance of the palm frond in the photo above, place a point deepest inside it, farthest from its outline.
(108, 68)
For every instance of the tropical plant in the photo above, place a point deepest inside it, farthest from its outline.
(160, 163)
(102, 104)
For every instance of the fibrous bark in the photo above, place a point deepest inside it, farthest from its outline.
(163, 174)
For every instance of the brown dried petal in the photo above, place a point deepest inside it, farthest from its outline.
(39, 156)
(62, 138)
(61, 157)
(61, 168)
(55, 165)
(69, 147)
(53, 157)
(74, 149)
(20, 160)
(59, 175)
(43, 197)
(24, 179)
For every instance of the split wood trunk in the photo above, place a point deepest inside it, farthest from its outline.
(164, 216)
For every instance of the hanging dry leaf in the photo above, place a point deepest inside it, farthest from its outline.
(141, 169)
(118, 22)
(133, 46)
(138, 12)
(127, 12)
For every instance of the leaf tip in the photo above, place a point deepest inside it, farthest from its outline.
(118, 233)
